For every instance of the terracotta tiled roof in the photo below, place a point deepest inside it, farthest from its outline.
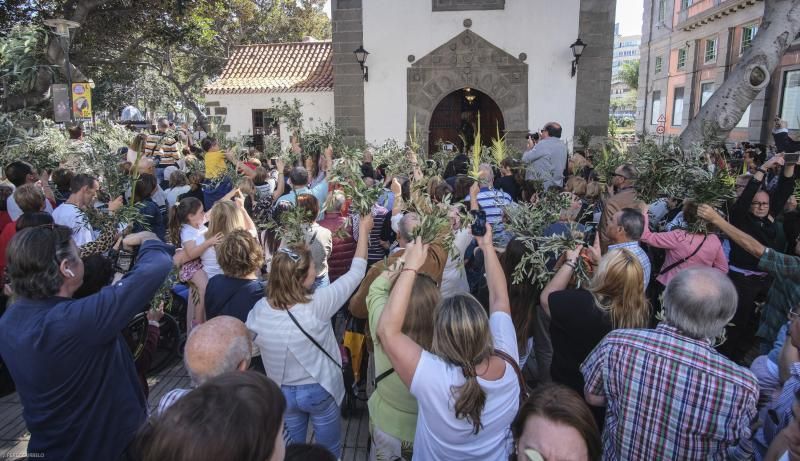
(277, 67)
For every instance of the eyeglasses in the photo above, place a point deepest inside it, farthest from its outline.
(49, 225)
(620, 175)
(759, 204)
(253, 335)
(290, 253)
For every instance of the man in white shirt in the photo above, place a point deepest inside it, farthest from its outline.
(83, 192)
(20, 173)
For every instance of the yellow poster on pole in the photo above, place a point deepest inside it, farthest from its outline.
(81, 101)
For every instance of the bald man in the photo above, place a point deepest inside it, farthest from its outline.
(217, 346)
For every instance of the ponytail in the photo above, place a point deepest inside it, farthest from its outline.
(179, 215)
(471, 399)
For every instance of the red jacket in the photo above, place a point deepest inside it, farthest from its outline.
(344, 245)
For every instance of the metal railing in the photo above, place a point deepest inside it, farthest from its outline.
(698, 8)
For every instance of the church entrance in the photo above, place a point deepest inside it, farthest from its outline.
(455, 120)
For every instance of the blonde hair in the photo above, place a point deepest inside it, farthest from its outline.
(285, 284)
(225, 218)
(618, 290)
(593, 190)
(576, 185)
(239, 254)
(29, 198)
(461, 336)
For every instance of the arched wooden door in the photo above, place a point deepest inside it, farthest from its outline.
(455, 119)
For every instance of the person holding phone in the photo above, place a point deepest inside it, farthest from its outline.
(783, 142)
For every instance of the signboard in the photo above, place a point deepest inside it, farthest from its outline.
(60, 103)
(82, 101)
(662, 121)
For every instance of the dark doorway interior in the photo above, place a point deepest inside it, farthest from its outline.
(456, 116)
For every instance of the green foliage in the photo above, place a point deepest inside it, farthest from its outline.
(22, 56)
(584, 138)
(346, 172)
(629, 73)
(614, 154)
(395, 157)
(527, 222)
(44, 147)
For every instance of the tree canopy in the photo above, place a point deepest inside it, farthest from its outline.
(629, 73)
(148, 50)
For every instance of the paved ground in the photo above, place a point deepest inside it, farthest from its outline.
(14, 436)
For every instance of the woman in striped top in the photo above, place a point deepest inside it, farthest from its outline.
(294, 334)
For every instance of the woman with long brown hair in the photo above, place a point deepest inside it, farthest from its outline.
(466, 387)
(581, 317)
(392, 408)
(297, 343)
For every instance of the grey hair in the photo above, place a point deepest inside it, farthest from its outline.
(486, 172)
(404, 229)
(700, 302)
(337, 201)
(163, 123)
(240, 348)
(632, 221)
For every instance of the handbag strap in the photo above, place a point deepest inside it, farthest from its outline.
(383, 375)
(676, 264)
(312, 339)
(523, 388)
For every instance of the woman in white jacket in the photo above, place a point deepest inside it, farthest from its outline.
(298, 347)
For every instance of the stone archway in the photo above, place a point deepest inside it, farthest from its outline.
(469, 60)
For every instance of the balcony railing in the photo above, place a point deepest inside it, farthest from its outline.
(704, 11)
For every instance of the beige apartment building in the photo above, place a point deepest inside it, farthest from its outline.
(688, 49)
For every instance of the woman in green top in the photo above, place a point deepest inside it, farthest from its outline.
(392, 408)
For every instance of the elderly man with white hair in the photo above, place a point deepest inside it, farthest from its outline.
(218, 346)
(668, 393)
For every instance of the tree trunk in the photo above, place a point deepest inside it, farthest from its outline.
(779, 27)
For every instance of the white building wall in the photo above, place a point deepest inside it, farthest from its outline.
(317, 108)
(394, 29)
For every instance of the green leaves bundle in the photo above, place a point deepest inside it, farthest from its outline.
(346, 172)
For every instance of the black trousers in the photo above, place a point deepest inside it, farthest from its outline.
(740, 336)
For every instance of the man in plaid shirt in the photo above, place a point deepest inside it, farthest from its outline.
(668, 393)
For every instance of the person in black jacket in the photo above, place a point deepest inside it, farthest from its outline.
(754, 213)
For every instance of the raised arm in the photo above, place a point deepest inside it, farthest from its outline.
(107, 312)
(402, 351)
(748, 243)
(233, 157)
(329, 299)
(784, 190)
(280, 184)
(495, 277)
(561, 280)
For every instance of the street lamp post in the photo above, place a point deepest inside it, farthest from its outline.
(62, 28)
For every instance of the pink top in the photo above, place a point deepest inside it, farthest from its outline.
(680, 244)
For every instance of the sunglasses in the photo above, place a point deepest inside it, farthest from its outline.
(620, 175)
(290, 253)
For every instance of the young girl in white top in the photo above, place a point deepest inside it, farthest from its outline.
(187, 230)
(226, 216)
(466, 387)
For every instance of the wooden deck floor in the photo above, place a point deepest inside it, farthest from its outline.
(14, 436)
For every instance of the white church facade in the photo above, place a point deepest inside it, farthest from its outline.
(433, 64)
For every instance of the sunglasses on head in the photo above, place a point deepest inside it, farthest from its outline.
(290, 253)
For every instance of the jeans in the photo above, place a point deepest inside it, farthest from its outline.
(312, 400)
(160, 174)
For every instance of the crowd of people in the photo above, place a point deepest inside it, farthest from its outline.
(683, 344)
